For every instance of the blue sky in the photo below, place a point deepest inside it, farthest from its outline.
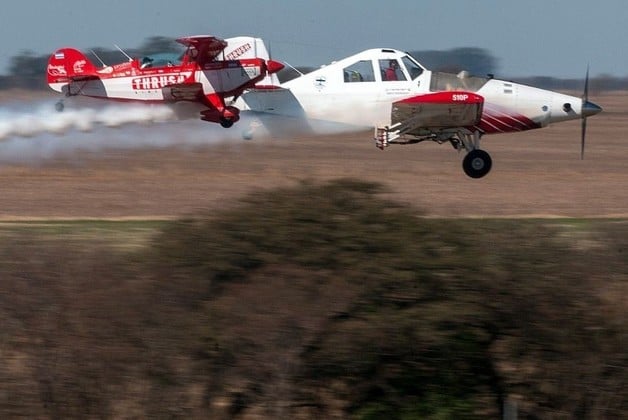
(532, 37)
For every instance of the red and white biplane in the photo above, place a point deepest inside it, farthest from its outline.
(208, 72)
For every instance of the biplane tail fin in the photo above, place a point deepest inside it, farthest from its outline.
(66, 65)
(249, 47)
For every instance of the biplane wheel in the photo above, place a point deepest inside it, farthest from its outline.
(477, 163)
(226, 122)
(59, 106)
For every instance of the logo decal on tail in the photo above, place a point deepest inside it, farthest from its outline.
(56, 70)
(78, 66)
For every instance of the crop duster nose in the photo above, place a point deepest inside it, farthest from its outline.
(589, 109)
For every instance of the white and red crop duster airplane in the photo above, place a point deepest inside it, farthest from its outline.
(407, 103)
(208, 72)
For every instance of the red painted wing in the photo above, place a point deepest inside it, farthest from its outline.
(439, 110)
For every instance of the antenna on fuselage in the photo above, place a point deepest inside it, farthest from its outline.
(122, 51)
(98, 58)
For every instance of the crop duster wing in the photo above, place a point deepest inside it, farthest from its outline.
(435, 111)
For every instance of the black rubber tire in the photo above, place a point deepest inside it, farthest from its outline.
(226, 122)
(477, 163)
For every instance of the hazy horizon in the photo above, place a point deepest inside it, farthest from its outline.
(535, 38)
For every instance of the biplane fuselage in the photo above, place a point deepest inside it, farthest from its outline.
(209, 71)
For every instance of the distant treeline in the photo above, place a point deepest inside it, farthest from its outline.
(27, 70)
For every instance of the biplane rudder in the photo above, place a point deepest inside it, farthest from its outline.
(68, 64)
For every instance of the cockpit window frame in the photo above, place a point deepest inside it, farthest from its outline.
(389, 73)
(416, 66)
(361, 71)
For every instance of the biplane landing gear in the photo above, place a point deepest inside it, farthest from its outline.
(226, 122)
(225, 118)
(477, 163)
(59, 106)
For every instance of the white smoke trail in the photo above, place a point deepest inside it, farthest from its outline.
(33, 132)
(42, 118)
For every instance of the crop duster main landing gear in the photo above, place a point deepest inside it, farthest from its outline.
(477, 163)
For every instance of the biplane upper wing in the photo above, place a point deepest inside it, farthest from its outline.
(433, 111)
(207, 47)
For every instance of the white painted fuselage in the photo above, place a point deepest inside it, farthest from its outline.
(338, 93)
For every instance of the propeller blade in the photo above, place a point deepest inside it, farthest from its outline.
(585, 97)
(585, 101)
(584, 132)
(587, 109)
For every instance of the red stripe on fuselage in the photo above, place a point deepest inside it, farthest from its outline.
(496, 119)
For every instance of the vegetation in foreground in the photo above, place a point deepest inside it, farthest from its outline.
(319, 301)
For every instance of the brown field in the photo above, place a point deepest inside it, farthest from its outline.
(536, 173)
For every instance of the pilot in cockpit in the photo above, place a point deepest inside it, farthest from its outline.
(146, 62)
(191, 54)
(390, 73)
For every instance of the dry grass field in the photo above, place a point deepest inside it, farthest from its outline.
(536, 173)
(320, 301)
